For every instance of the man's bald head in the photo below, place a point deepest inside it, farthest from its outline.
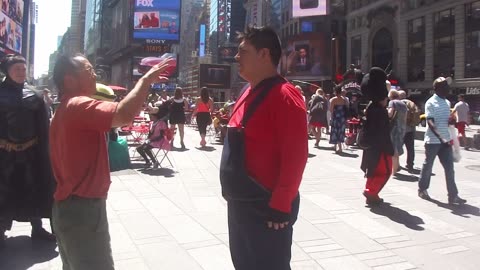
(402, 94)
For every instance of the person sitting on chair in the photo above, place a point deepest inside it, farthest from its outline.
(157, 137)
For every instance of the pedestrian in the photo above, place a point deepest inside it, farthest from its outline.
(338, 111)
(461, 111)
(80, 159)
(397, 112)
(438, 142)
(317, 117)
(413, 119)
(377, 158)
(178, 106)
(264, 156)
(202, 111)
(26, 178)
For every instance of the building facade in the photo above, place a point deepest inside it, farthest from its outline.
(419, 40)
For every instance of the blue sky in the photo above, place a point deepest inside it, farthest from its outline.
(53, 21)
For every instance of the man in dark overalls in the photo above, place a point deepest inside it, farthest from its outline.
(263, 159)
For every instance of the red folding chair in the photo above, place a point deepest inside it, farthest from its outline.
(164, 148)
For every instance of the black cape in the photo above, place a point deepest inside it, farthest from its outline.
(26, 179)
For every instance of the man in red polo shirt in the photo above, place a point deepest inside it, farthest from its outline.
(264, 156)
(79, 158)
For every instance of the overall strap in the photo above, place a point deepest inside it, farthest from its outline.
(266, 87)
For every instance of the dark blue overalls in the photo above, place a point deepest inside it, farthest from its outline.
(252, 244)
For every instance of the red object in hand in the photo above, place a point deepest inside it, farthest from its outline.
(148, 62)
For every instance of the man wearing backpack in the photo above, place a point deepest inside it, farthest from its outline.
(413, 119)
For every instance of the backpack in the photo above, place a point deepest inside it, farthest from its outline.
(362, 134)
(413, 113)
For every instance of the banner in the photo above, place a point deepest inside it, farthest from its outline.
(306, 8)
(11, 19)
(157, 21)
(215, 76)
(307, 56)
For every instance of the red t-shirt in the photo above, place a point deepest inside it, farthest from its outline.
(276, 143)
(78, 147)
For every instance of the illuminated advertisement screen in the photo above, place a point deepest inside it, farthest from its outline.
(307, 56)
(215, 76)
(305, 8)
(11, 19)
(157, 20)
(201, 51)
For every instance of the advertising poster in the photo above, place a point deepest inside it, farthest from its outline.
(307, 56)
(11, 18)
(201, 51)
(157, 20)
(306, 8)
(215, 76)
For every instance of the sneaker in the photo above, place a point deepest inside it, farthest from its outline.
(424, 194)
(147, 165)
(456, 200)
(372, 199)
(183, 145)
(42, 234)
(156, 165)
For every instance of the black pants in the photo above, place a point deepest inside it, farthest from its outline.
(409, 141)
(253, 246)
(144, 150)
(203, 120)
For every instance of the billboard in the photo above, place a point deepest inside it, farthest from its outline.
(306, 8)
(307, 56)
(227, 54)
(215, 76)
(11, 31)
(201, 49)
(157, 20)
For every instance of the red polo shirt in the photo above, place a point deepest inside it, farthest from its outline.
(276, 143)
(78, 147)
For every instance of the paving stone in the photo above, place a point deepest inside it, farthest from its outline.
(305, 265)
(396, 266)
(452, 249)
(185, 230)
(212, 257)
(383, 261)
(342, 263)
(142, 225)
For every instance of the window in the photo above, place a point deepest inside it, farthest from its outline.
(444, 43)
(356, 50)
(416, 50)
(472, 40)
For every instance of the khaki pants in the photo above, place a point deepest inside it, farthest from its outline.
(81, 227)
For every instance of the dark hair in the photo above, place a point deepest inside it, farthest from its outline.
(65, 65)
(462, 96)
(338, 89)
(9, 60)
(263, 37)
(178, 93)
(204, 95)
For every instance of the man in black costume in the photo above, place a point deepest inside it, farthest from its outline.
(26, 179)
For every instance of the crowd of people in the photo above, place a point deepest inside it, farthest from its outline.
(61, 171)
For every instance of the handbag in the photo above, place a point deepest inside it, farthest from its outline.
(362, 135)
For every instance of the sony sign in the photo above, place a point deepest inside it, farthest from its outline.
(155, 41)
(144, 3)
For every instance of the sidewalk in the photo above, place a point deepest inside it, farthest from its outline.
(176, 219)
(470, 131)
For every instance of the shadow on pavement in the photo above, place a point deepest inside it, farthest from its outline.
(327, 148)
(20, 253)
(206, 148)
(464, 210)
(398, 215)
(343, 154)
(177, 149)
(311, 155)
(166, 172)
(405, 177)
